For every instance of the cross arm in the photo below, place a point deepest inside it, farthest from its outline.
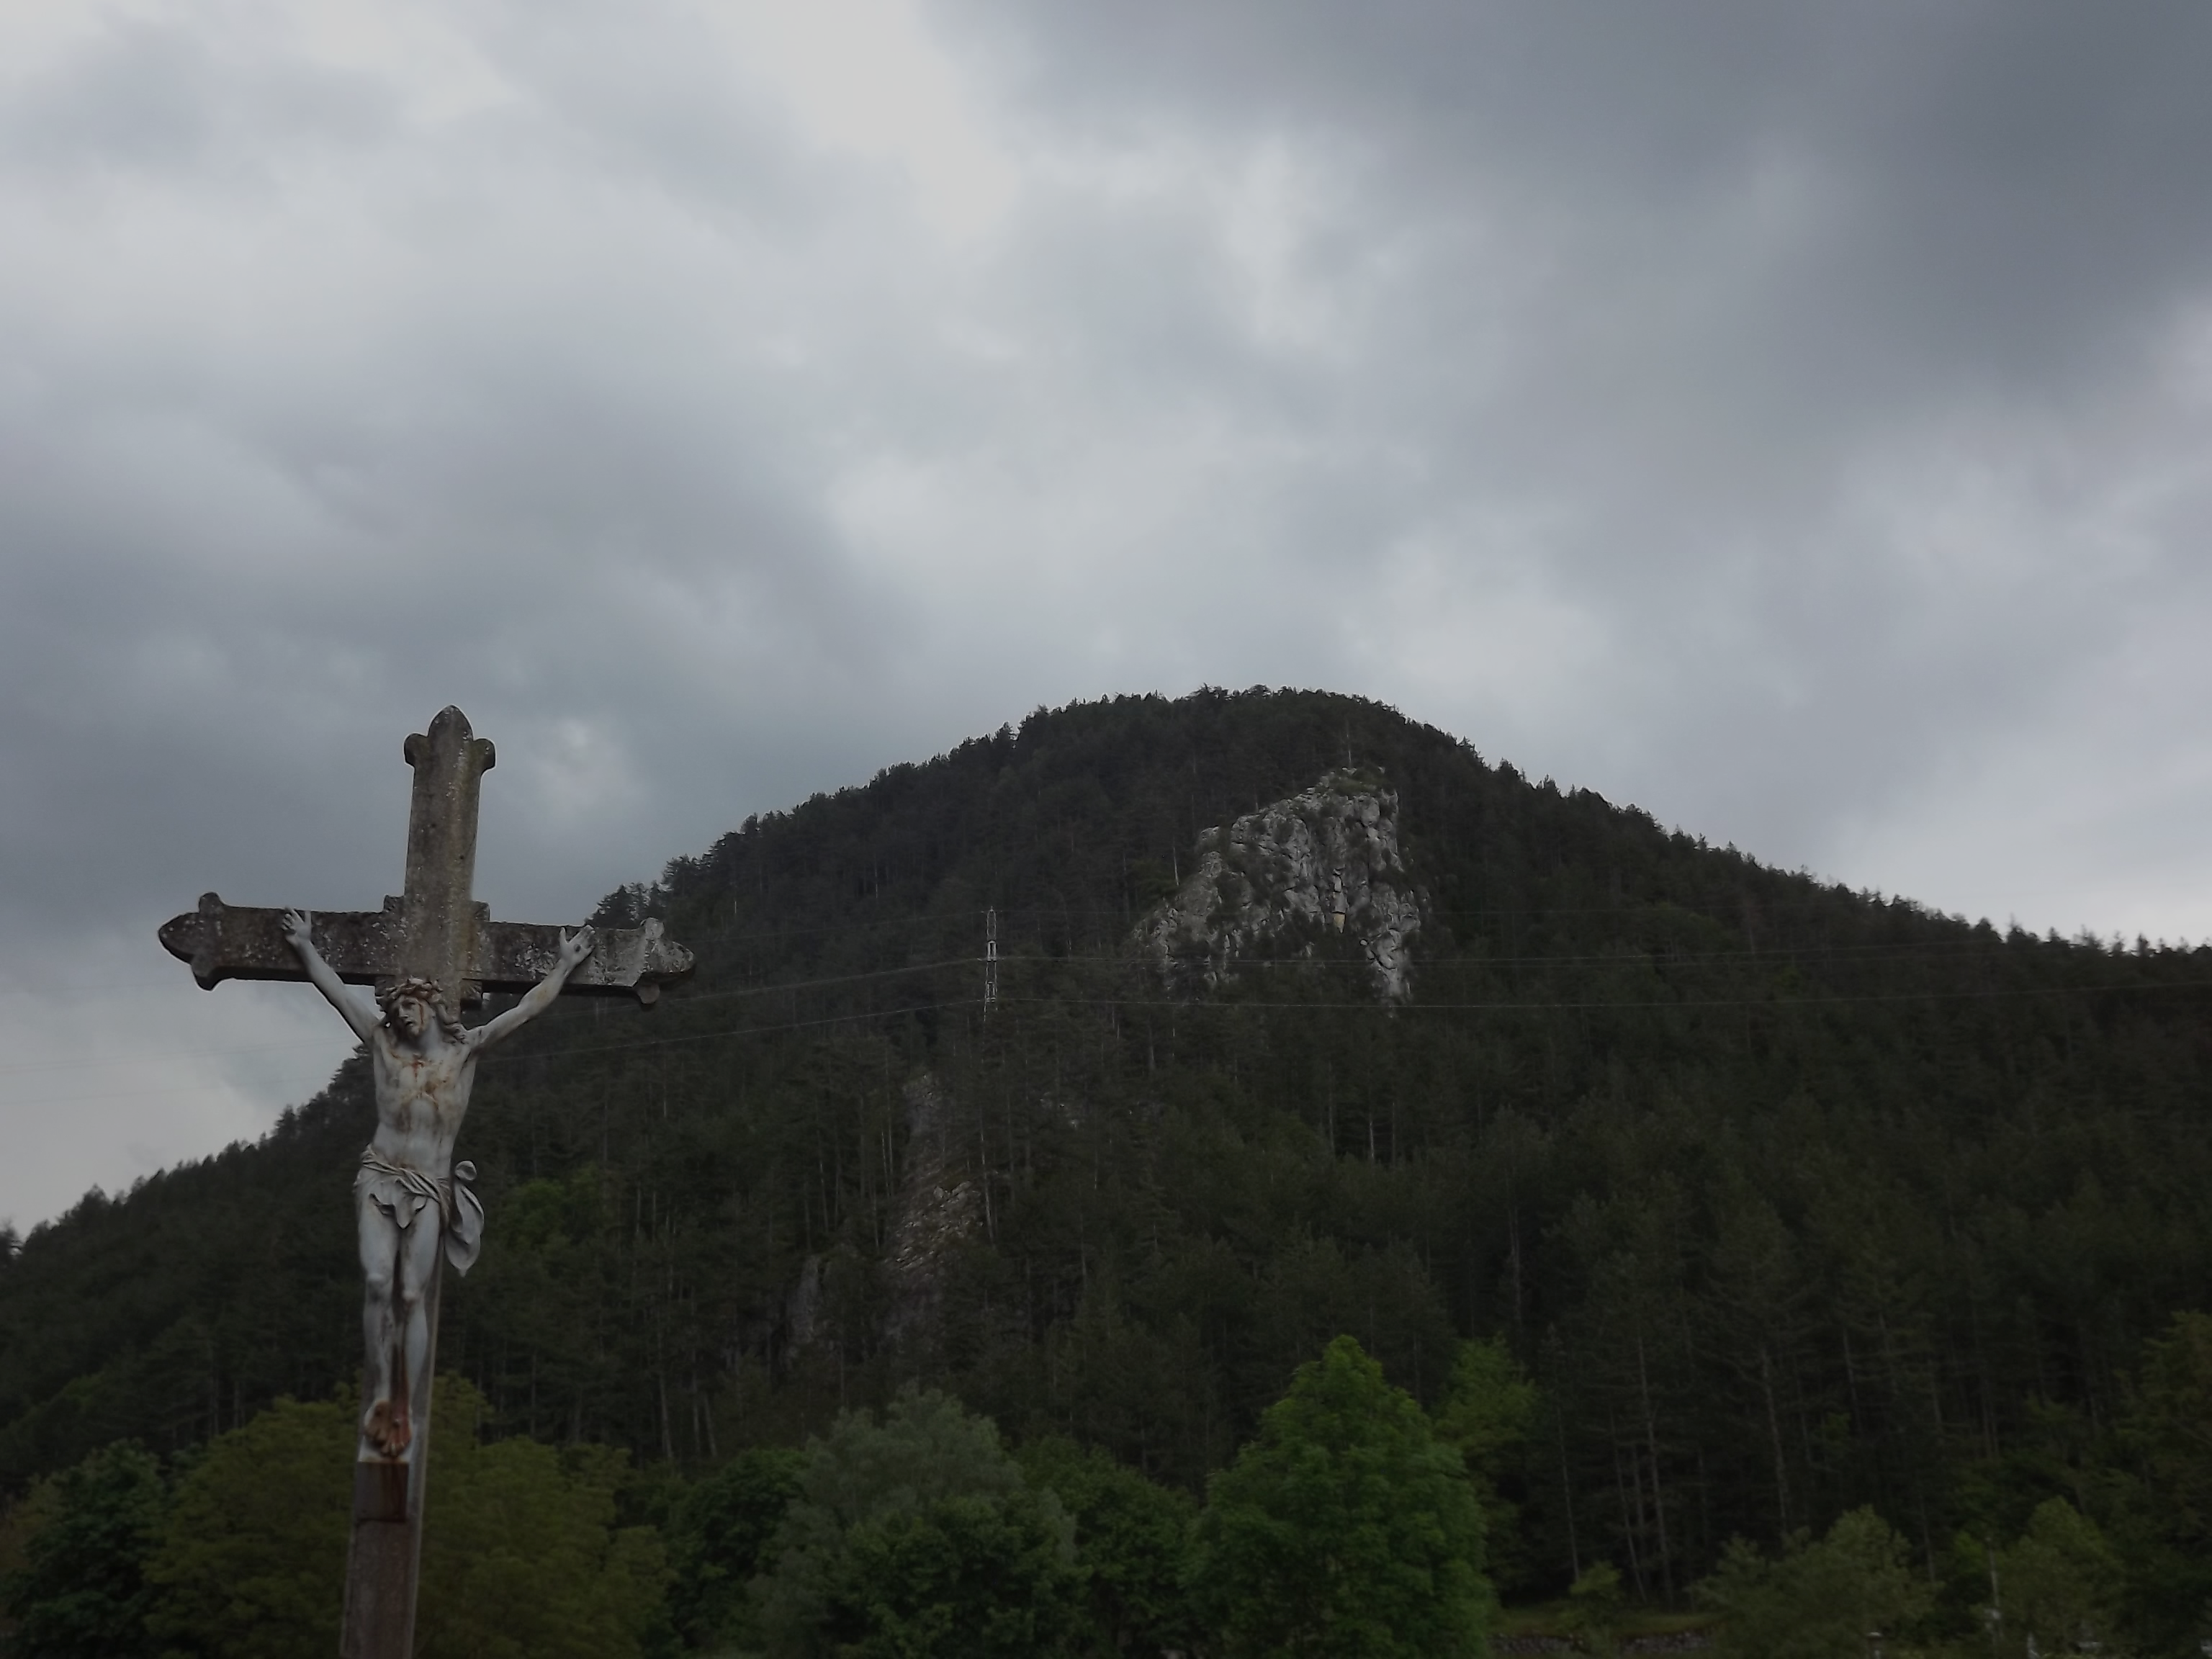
(229, 941)
(514, 956)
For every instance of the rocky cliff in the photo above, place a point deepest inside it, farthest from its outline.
(940, 1208)
(1276, 881)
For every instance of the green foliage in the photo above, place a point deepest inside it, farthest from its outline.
(1594, 1608)
(78, 1590)
(1488, 1412)
(252, 1558)
(1345, 1529)
(2059, 1583)
(1818, 1599)
(2169, 1524)
(522, 1557)
(718, 1543)
(2171, 1426)
(916, 1536)
(1488, 1407)
(958, 1576)
(20, 1520)
(1132, 1539)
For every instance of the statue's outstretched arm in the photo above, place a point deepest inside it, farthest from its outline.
(574, 947)
(356, 1008)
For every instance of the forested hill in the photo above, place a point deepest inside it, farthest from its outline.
(1791, 1198)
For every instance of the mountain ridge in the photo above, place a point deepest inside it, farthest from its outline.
(1731, 1156)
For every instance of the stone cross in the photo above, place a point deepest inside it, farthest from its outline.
(435, 931)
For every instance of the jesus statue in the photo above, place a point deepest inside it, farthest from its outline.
(410, 1197)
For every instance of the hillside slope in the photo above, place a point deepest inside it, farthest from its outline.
(1791, 1198)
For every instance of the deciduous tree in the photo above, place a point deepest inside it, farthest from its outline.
(1132, 1539)
(1819, 1599)
(80, 1590)
(1345, 1529)
(915, 1536)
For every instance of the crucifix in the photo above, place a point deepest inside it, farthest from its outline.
(430, 953)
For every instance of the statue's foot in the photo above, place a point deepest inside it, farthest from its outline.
(387, 1430)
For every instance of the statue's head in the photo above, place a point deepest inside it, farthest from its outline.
(410, 1005)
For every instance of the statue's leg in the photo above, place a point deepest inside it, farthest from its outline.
(380, 1271)
(418, 1259)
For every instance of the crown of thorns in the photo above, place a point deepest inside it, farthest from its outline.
(425, 991)
(429, 993)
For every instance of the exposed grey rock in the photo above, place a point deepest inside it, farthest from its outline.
(940, 1206)
(1282, 877)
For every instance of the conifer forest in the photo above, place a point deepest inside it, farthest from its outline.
(1737, 1237)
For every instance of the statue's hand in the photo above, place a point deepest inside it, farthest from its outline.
(575, 946)
(299, 930)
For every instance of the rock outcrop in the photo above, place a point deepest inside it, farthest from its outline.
(940, 1208)
(841, 1296)
(1282, 877)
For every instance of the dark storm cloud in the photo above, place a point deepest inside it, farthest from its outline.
(270, 507)
(2016, 190)
(1752, 236)
(1751, 254)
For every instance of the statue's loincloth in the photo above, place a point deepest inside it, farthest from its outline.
(403, 1194)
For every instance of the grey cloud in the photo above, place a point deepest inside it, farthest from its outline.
(157, 96)
(1734, 408)
(1998, 182)
(1771, 245)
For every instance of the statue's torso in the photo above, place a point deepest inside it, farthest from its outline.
(421, 1095)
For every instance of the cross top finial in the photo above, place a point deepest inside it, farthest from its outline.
(438, 933)
(450, 734)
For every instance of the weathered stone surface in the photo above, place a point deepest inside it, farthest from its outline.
(226, 941)
(1275, 881)
(513, 955)
(439, 923)
(436, 930)
(222, 941)
(940, 1208)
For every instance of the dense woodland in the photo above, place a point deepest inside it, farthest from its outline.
(1790, 1201)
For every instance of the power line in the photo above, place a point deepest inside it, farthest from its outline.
(992, 997)
(1874, 909)
(1369, 1007)
(1380, 1007)
(853, 926)
(512, 1055)
(1656, 957)
(683, 1000)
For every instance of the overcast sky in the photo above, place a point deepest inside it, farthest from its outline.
(1795, 420)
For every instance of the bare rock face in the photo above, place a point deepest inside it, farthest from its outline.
(1281, 878)
(939, 1209)
(898, 1298)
